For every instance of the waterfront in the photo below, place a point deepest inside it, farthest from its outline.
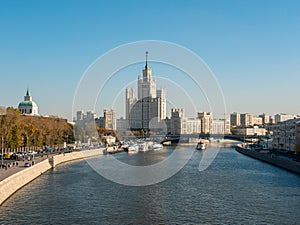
(234, 189)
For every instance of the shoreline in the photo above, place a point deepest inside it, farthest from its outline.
(19, 179)
(289, 165)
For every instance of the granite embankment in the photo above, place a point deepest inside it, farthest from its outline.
(285, 163)
(16, 181)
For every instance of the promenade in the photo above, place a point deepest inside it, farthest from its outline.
(15, 177)
(6, 172)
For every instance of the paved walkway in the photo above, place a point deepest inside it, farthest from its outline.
(4, 173)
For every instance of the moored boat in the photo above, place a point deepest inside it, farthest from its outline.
(133, 148)
(155, 146)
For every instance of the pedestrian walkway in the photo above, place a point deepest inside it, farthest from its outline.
(6, 172)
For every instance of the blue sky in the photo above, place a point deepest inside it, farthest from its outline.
(253, 47)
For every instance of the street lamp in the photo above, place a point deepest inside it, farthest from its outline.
(1, 150)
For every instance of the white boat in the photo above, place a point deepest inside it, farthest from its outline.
(143, 146)
(156, 146)
(201, 146)
(133, 148)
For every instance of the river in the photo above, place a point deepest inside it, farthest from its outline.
(234, 189)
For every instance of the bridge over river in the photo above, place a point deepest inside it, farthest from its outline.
(176, 138)
(243, 138)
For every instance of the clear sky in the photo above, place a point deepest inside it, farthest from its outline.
(253, 47)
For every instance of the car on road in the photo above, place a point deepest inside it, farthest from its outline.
(26, 164)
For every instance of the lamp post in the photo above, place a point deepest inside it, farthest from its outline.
(1, 150)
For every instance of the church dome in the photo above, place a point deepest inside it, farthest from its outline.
(27, 103)
(28, 106)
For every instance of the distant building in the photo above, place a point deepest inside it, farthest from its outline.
(174, 124)
(122, 124)
(235, 119)
(82, 118)
(220, 126)
(265, 118)
(28, 107)
(191, 126)
(245, 131)
(283, 117)
(206, 122)
(246, 119)
(286, 135)
(146, 112)
(257, 120)
(108, 121)
(79, 116)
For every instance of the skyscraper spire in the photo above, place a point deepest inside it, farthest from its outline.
(146, 66)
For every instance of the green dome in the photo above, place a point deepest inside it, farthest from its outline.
(27, 103)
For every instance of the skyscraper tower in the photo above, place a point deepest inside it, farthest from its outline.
(146, 84)
(147, 111)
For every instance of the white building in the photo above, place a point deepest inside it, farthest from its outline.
(191, 126)
(146, 112)
(28, 107)
(220, 126)
(283, 117)
(255, 130)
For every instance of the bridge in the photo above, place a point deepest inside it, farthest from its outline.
(176, 138)
(244, 138)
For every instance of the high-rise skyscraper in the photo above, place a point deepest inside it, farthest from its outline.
(145, 112)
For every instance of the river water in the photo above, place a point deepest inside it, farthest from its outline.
(234, 189)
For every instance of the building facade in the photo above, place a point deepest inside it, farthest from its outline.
(255, 130)
(108, 121)
(206, 122)
(265, 118)
(235, 119)
(286, 135)
(282, 117)
(220, 126)
(149, 109)
(246, 119)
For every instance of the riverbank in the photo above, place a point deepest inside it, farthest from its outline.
(23, 176)
(266, 156)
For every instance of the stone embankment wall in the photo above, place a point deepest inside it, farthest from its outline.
(290, 165)
(16, 181)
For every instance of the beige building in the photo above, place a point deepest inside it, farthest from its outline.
(108, 121)
(286, 135)
(246, 119)
(146, 112)
(235, 119)
(257, 120)
(206, 122)
(265, 118)
(283, 117)
(248, 131)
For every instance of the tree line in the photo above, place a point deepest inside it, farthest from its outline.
(17, 130)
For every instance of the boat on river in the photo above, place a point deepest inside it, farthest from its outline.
(131, 148)
(201, 146)
(155, 147)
